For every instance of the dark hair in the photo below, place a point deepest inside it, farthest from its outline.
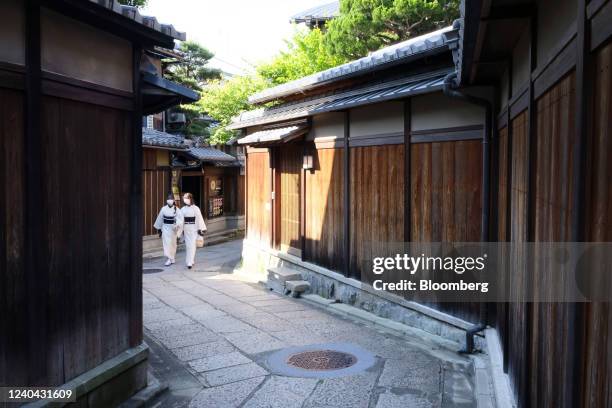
(189, 196)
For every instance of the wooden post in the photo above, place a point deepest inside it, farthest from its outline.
(575, 369)
(35, 267)
(303, 204)
(407, 170)
(135, 228)
(530, 309)
(347, 193)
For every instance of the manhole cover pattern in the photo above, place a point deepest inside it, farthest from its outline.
(151, 270)
(322, 360)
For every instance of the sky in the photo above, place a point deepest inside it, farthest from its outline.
(241, 33)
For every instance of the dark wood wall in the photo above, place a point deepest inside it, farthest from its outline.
(446, 188)
(78, 309)
(446, 191)
(598, 315)
(14, 357)
(259, 188)
(86, 168)
(377, 203)
(324, 209)
(155, 187)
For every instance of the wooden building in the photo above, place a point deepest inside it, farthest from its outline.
(158, 175)
(72, 98)
(368, 151)
(519, 151)
(217, 185)
(550, 63)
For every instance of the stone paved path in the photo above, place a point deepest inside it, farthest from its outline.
(211, 331)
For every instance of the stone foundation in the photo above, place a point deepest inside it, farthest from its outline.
(332, 285)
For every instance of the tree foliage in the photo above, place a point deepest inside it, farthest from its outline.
(223, 100)
(367, 25)
(134, 3)
(192, 69)
(306, 54)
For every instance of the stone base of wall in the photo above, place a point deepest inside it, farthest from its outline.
(332, 285)
(110, 383)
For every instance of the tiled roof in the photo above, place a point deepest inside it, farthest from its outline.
(322, 12)
(210, 154)
(155, 138)
(386, 90)
(134, 14)
(413, 48)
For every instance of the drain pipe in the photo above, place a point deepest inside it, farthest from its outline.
(450, 91)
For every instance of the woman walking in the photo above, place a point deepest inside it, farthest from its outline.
(193, 226)
(168, 224)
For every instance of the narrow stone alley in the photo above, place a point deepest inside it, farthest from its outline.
(216, 338)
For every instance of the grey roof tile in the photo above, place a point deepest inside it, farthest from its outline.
(155, 138)
(376, 60)
(211, 154)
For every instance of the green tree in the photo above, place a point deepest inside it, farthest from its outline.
(223, 100)
(134, 3)
(367, 25)
(192, 71)
(192, 68)
(306, 54)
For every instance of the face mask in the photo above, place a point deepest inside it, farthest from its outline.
(170, 202)
(187, 201)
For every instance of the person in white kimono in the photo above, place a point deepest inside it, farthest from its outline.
(168, 224)
(192, 227)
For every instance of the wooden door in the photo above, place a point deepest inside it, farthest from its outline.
(288, 165)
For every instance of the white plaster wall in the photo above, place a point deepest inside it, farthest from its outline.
(555, 17)
(327, 125)
(377, 119)
(79, 51)
(12, 32)
(436, 111)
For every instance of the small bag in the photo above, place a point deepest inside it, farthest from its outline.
(199, 242)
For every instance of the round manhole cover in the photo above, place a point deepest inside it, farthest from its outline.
(151, 270)
(322, 360)
(327, 360)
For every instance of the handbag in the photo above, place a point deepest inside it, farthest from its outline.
(199, 242)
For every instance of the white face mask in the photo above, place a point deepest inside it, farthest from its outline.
(170, 202)
(187, 201)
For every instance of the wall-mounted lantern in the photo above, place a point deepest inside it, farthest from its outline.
(308, 163)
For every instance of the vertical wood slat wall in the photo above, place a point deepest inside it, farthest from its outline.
(598, 315)
(377, 197)
(155, 187)
(79, 306)
(259, 188)
(324, 209)
(289, 166)
(13, 293)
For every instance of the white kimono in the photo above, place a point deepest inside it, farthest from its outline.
(170, 222)
(193, 222)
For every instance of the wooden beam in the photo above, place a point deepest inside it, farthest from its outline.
(347, 193)
(135, 205)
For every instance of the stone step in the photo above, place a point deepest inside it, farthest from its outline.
(283, 275)
(277, 278)
(296, 287)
